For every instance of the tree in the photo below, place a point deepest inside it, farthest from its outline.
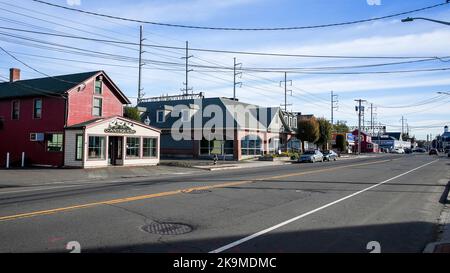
(308, 130)
(341, 127)
(132, 113)
(325, 129)
(341, 143)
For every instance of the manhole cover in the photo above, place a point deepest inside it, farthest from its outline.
(197, 191)
(167, 228)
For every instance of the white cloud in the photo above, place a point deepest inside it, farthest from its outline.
(73, 2)
(176, 11)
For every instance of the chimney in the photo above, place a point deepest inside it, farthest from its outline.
(14, 74)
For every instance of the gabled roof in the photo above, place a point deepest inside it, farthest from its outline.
(396, 135)
(226, 104)
(97, 121)
(50, 86)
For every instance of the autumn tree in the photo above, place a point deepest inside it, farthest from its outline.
(341, 127)
(325, 130)
(308, 130)
(341, 142)
(132, 113)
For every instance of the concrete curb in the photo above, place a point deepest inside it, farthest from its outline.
(443, 243)
(242, 166)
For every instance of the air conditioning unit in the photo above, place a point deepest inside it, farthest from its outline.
(36, 136)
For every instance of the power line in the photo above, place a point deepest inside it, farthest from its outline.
(34, 69)
(420, 103)
(226, 51)
(241, 29)
(37, 91)
(230, 68)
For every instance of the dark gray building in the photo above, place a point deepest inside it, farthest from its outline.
(193, 126)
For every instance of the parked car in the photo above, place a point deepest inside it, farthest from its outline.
(419, 150)
(408, 151)
(433, 152)
(311, 156)
(398, 151)
(330, 155)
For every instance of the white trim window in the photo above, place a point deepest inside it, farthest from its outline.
(37, 108)
(160, 116)
(150, 147)
(97, 107)
(96, 148)
(133, 147)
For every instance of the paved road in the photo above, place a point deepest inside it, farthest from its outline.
(323, 207)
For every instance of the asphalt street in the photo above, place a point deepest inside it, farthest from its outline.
(393, 200)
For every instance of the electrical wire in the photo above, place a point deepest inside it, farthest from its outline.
(225, 51)
(243, 29)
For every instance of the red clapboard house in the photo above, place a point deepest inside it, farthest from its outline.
(71, 120)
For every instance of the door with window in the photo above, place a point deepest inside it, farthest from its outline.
(115, 149)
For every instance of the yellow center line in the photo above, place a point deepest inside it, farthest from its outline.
(169, 193)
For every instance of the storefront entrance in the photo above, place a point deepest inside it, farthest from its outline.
(115, 150)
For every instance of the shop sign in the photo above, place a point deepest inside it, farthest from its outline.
(120, 127)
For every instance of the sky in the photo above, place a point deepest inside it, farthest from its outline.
(411, 95)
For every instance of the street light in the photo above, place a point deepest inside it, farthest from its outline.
(410, 19)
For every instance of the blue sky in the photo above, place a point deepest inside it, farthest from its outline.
(311, 93)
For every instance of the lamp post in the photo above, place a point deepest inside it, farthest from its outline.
(410, 19)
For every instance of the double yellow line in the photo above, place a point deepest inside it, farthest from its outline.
(170, 193)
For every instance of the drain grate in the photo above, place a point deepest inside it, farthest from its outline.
(167, 228)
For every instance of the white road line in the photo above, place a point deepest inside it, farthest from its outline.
(262, 232)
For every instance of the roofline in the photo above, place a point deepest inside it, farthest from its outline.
(125, 98)
(100, 121)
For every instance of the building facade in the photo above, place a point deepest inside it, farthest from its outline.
(193, 126)
(367, 145)
(391, 140)
(38, 118)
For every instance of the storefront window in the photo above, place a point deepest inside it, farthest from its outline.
(133, 146)
(251, 145)
(96, 149)
(79, 147)
(216, 147)
(149, 148)
(55, 143)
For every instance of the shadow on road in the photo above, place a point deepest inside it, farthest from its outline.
(406, 237)
(444, 197)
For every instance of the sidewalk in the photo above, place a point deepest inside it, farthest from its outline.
(208, 164)
(12, 178)
(442, 245)
(17, 177)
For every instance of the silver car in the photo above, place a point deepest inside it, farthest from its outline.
(330, 155)
(311, 156)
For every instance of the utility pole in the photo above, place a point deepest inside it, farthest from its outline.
(360, 110)
(234, 77)
(187, 57)
(403, 125)
(286, 91)
(334, 101)
(141, 40)
(371, 119)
